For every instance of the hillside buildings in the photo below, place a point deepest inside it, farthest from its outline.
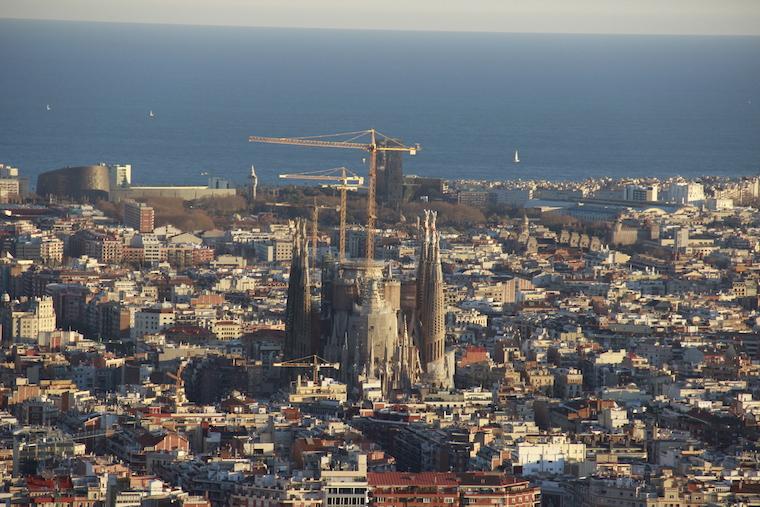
(584, 350)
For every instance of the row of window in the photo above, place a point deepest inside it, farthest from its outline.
(380, 499)
(356, 500)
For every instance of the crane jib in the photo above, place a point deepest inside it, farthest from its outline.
(412, 150)
(386, 143)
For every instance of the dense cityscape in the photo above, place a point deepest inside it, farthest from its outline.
(410, 341)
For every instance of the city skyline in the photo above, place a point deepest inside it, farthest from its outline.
(389, 268)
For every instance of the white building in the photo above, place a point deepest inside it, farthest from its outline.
(59, 338)
(38, 318)
(686, 193)
(346, 487)
(514, 197)
(226, 329)
(549, 456)
(274, 250)
(151, 247)
(613, 418)
(720, 204)
(152, 320)
(120, 175)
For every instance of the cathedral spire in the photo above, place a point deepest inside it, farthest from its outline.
(408, 361)
(298, 308)
(430, 321)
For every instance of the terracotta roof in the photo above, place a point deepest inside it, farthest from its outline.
(489, 479)
(411, 479)
(149, 440)
(37, 483)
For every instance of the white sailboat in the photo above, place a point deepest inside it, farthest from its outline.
(47, 107)
(151, 115)
(517, 158)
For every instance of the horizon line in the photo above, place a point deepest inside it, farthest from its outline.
(369, 29)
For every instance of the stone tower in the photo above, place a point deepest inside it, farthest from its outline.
(364, 330)
(298, 309)
(437, 363)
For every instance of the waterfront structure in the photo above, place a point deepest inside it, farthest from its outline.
(114, 182)
(91, 183)
(185, 192)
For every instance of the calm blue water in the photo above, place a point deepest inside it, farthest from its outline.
(575, 106)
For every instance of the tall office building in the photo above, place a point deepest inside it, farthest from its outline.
(139, 216)
(10, 185)
(430, 325)
(298, 308)
(390, 178)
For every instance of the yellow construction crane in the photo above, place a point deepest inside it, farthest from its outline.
(371, 141)
(314, 223)
(346, 180)
(314, 362)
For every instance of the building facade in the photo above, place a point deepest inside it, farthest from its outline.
(139, 216)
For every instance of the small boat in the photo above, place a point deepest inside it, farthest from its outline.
(47, 107)
(151, 115)
(517, 158)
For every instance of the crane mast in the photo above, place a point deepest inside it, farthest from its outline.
(314, 223)
(352, 143)
(346, 180)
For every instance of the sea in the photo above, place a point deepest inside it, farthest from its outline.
(575, 106)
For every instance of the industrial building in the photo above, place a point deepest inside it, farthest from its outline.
(114, 183)
(81, 183)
